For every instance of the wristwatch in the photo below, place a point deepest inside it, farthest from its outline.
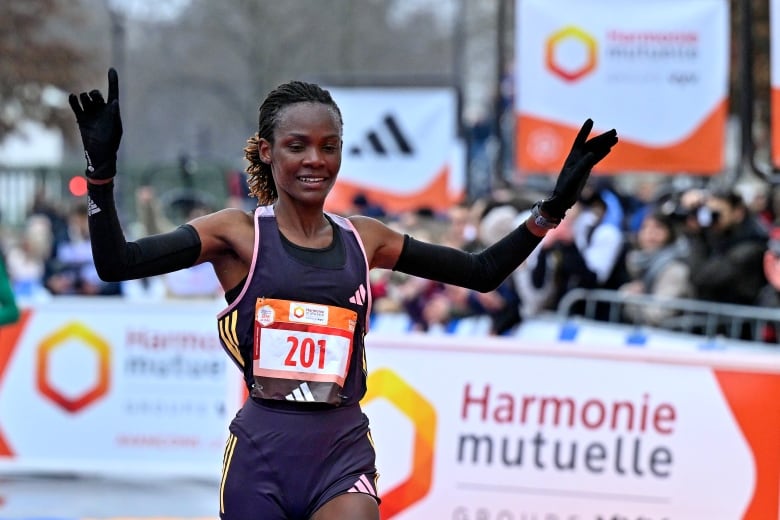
(542, 221)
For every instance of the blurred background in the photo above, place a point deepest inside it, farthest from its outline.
(457, 117)
(193, 73)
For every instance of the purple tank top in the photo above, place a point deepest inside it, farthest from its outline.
(276, 274)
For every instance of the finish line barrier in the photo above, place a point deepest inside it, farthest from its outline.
(539, 425)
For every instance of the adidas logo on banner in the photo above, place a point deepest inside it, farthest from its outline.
(391, 137)
(302, 393)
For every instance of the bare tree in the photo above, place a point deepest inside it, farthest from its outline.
(38, 63)
(194, 84)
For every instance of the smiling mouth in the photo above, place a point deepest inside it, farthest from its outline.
(311, 180)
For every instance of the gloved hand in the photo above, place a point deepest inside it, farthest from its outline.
(584, 155)
(101, 128)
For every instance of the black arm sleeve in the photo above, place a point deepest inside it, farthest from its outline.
(117, 260)
(483, 271)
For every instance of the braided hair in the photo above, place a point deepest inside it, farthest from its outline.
(260, 181)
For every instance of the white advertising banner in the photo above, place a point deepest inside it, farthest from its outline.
(103, 386)
(490, 429)
(466, 427)
(400, 148)
(656, 70)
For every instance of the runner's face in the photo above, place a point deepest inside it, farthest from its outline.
(306, 155)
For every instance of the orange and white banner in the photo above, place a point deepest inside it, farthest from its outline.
(532, 426)
(497, 429)
(400, 148)
(774, 78)
(656, 70)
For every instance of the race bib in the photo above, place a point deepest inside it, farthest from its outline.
(302, 350)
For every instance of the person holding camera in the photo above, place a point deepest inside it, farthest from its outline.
(727, 244)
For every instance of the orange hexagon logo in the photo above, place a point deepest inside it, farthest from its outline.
(582, 64)
(386, 383)
(80, 333)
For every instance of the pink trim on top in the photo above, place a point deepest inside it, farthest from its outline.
(347, 224)
(260, 211)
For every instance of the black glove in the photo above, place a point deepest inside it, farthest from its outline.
(101, 128)
(584, 155)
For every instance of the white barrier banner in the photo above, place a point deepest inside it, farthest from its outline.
(466, 428)
(656, 70)
(104, 386)
(485, 429)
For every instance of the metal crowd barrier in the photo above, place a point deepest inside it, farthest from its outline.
(692, 316)
(20, 186)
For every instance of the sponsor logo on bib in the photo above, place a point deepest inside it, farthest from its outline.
(309, 313)
(265, 315)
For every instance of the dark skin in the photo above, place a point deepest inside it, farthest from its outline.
(349, 506)
(305, 159)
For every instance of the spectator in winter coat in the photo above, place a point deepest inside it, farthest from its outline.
(657, 267)
(727, 254)
(770, 294)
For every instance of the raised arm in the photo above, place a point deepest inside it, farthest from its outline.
(116, 259)
(484, 271)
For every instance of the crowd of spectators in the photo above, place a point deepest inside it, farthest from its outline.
(708, 244)
(704, 243)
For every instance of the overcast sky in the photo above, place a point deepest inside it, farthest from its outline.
(155, 9)
(167, 9)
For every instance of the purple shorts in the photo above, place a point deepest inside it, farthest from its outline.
(284, 463)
